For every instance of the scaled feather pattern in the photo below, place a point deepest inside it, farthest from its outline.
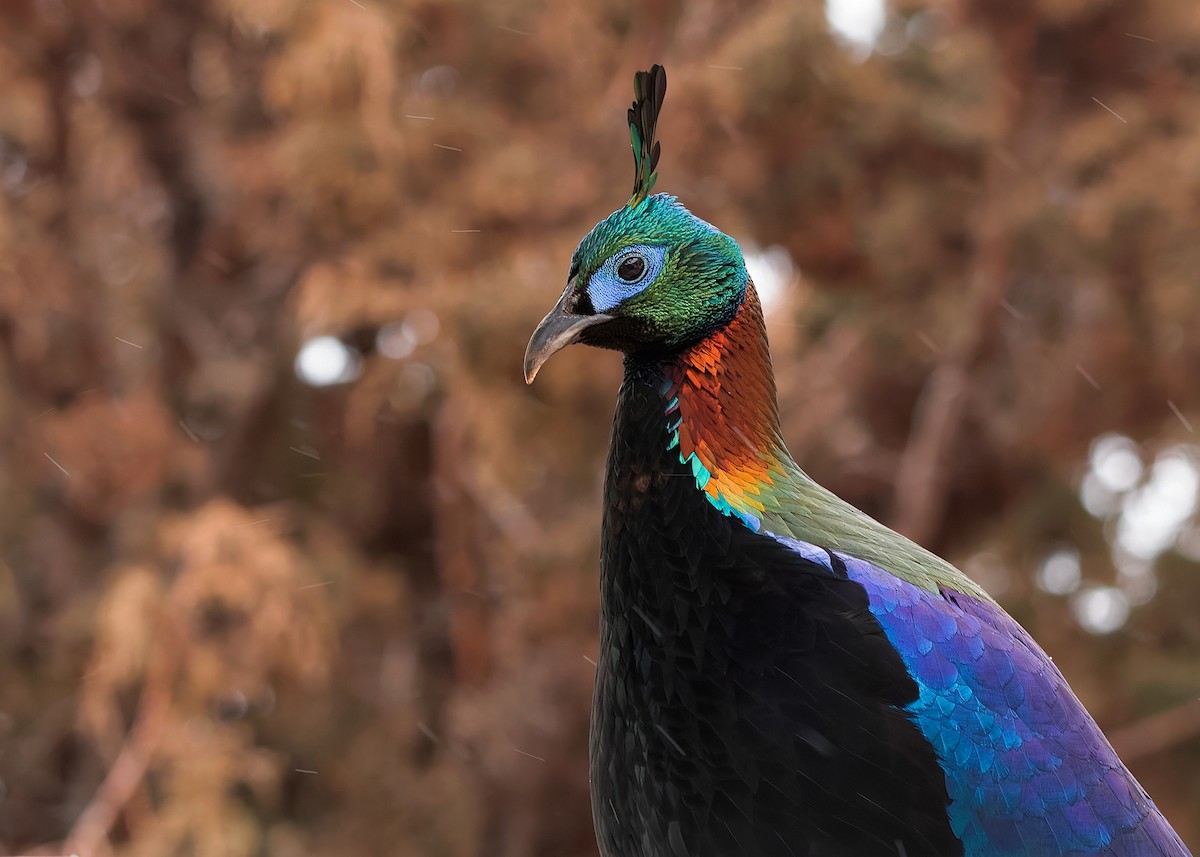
(1028, 770)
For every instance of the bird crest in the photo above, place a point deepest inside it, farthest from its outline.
(649, 88)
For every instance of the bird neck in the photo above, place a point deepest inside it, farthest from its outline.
(723, 417)
(719, 419)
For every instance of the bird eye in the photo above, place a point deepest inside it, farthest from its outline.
(627, 272)
(632, 268)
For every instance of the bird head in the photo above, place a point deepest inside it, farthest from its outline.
(651, 278)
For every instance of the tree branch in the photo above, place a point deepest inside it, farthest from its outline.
(923, 474)
(89, 833)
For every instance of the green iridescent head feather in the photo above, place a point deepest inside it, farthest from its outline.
(700, 286)
(651, 277)
(693, 277)
(649, 90)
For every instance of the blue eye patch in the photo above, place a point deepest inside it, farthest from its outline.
(625, 274)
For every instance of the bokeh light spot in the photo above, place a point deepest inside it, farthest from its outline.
(1060, 573)
(325, 360)
(859, 22)
(1101, 609)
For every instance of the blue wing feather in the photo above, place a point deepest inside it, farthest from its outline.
(1027, 769)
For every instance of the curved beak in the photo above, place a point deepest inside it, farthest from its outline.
(558, 329)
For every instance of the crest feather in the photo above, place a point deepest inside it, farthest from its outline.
(649, 89)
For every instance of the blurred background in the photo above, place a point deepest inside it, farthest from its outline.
(291, 560)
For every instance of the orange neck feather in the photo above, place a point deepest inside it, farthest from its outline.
(723, 388)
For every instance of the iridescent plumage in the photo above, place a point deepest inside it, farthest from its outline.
(780, 674)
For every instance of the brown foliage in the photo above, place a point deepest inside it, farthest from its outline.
(243, 615)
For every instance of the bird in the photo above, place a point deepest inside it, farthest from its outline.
(778, 673)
